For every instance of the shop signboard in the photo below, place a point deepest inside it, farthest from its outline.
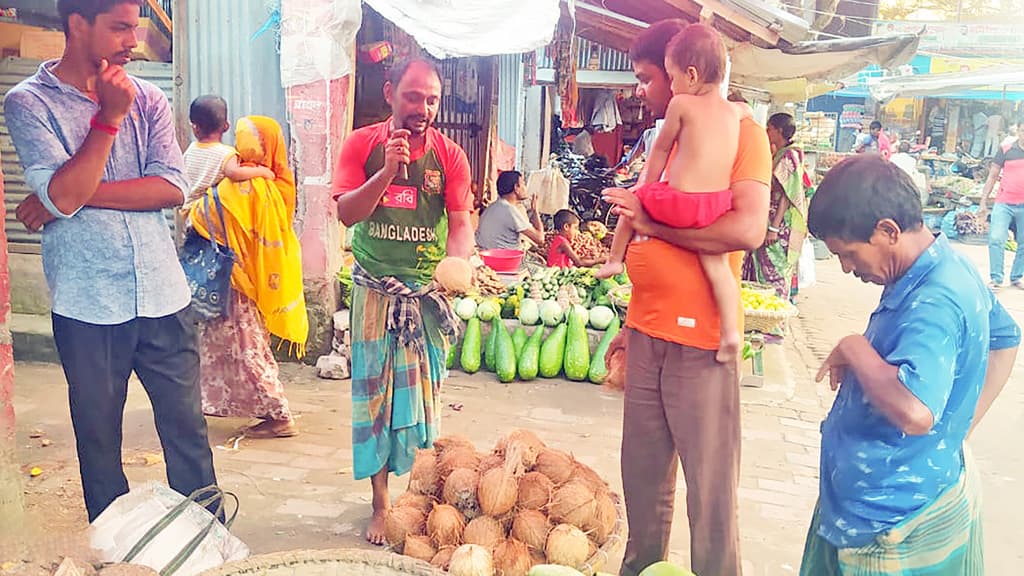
(977, 38)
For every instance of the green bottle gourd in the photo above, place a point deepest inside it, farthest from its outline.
(552, 352)
(577, 349)
(470, 359)
(492, 341)
(504, 355)
(519, 338)
(529, 360)
(598, 368)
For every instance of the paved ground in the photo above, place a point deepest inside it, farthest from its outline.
(299, 493)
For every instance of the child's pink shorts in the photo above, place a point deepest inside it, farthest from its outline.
(677, 209)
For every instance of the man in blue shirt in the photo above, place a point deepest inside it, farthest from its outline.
(898, 494)
(100, 154)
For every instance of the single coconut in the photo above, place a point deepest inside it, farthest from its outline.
(586, 475)
(460, 491)
(573, 504)
(455, 458)
(512, 558)
(442, 445)
(423, 478)
(419, 547)
(421, 502)
(535, 490)
(497, 492)
(490, 462)
(556, 465)
(567, 545)
(443, 558)
(454, 274)
(531, 527)
(471, 560)
(520, 447)
(483, 531)
(445, 525)
(603, 521)
(401, 523)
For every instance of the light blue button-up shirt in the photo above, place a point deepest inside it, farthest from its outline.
(102, 266)
(936, 324)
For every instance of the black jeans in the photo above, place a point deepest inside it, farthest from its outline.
(98, 361)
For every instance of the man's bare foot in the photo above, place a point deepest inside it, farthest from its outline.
(729, 348)
(610, 269)
(375, 529)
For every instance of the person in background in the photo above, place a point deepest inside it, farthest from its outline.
(993, 132)
(908, 164)
(404, 188)
(101, 159)
(899, 492)
(208, 160)
(775, 262)
(239, 375)
(937, 128)
(502, 222)
(1008, 170)
(875, 141)
(561, 254)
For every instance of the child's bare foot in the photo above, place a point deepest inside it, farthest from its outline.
(729, 348)
(375, 530)
(609, 269)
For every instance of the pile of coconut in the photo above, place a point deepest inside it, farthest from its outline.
(503, 512)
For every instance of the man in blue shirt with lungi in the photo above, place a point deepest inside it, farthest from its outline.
(899, 493)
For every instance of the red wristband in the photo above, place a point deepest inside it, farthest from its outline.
(95, 124)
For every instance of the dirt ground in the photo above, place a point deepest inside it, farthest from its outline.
(299, 493)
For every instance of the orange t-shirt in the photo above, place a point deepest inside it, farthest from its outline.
(672, 299)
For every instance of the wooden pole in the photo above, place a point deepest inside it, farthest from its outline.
(181, 72)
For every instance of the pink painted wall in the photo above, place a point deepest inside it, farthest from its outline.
(318, 118)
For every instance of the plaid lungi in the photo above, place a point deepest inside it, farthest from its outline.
(395, 387)
(942, 539)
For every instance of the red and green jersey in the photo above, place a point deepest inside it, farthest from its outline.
(405, 237)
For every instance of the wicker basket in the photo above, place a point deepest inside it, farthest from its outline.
(619, 297)
(340, 562)
(767, 321)
(616, 541)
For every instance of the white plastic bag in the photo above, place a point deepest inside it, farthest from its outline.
(805, 276)
(155, 526)
(549, 190)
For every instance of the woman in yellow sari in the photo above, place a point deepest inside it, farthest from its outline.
(238, 372)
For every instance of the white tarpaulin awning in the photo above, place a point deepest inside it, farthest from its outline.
(806, 69)
(457, 28)
(996, 78)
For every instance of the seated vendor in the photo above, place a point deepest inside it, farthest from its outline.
(502, 222)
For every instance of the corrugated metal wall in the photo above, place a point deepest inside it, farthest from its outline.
(511, 98)
(589, 55)
(223, 60)
(13, 71)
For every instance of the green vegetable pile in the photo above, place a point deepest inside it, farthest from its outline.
(531, 350)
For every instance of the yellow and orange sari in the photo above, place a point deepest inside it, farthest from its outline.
(238, 372)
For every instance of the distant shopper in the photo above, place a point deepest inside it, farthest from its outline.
(1008, 209)
(505, 220)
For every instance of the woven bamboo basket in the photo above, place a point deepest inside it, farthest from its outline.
(762, 289)
(339, 562)
(767, 321)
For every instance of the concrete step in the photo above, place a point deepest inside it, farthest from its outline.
(33, 339)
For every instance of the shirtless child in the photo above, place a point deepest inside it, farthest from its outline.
(703, 128)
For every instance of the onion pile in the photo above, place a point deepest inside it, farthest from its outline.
(501, 512)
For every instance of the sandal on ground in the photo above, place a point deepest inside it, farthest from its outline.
(272, 429)
(1018, 284)
(994, 286)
